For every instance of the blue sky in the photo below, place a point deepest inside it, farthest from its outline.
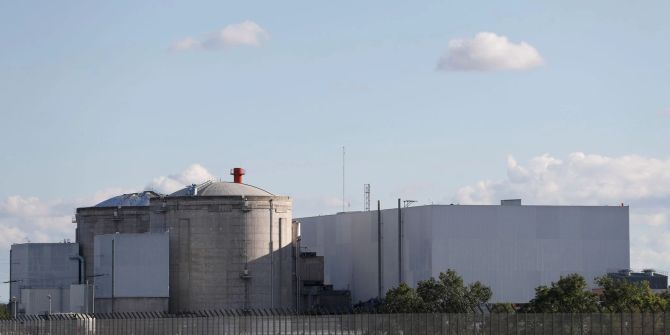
(94, 98)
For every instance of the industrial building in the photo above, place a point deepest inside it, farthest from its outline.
(512, 248)
(45, 277)
(124, 214)
(658, 281)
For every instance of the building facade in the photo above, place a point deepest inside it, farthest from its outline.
(132, 272)
(41, 275)
(125, 214)
(658, 281)
(510, 247)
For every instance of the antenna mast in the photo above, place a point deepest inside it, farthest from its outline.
(366, 197)
(343, 196)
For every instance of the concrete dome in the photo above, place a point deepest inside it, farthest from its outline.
(220, 188)
(130, 199)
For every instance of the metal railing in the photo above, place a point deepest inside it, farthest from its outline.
(286, 322)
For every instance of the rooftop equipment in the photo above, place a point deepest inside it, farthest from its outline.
(237, 175)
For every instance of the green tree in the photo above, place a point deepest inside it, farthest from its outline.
(477, 294)
(431, 292)
(402, 299)
(569, 295)
(4, 312)
(621, 295)
(459, 298)
(665, 296)
(502, 307)
(448, 294)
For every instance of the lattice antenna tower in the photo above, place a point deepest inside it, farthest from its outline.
(366, 196)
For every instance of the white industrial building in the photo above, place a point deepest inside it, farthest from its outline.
(509, 247)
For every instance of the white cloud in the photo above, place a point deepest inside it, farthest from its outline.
(665, 112)
(28, 218)
(22, 218)
(587, 179)
(489, 52)
(194, 174)
(247, 33)
(317, 205)
(186, 44)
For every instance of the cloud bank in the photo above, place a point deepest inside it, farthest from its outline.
(28, 218)
(193, 174)
(247, 33)
(588, 179)
(489, 52)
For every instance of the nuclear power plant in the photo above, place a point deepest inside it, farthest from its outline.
(230, 245)
(214, 245)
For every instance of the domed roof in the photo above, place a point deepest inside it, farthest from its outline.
(130, 199)
(220, 188)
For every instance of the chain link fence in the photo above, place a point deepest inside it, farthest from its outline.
(286, 322)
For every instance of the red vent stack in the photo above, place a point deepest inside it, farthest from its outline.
(237, 174)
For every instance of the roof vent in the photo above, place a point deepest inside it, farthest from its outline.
(510, 202)
(193, 190)
(237, 175)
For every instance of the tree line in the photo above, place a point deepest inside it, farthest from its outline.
(570, 294)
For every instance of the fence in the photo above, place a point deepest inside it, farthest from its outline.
(272, 322)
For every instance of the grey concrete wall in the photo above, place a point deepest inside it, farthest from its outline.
(77, 298)
(36, 300)
(137, 265)
(213, 239)
(311, 269)
(513, 249)
(42, 266)
(92, 221)
(130, 305)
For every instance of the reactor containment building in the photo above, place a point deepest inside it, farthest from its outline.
(231, 246)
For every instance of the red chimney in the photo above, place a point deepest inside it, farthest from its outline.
(237, 174)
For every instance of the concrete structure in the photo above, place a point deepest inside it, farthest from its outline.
(658, 281)
(511, 248)
(40, 270)
(314, 294)
(126, 214)
(231, 246)
(133, 272)
(80, 296)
